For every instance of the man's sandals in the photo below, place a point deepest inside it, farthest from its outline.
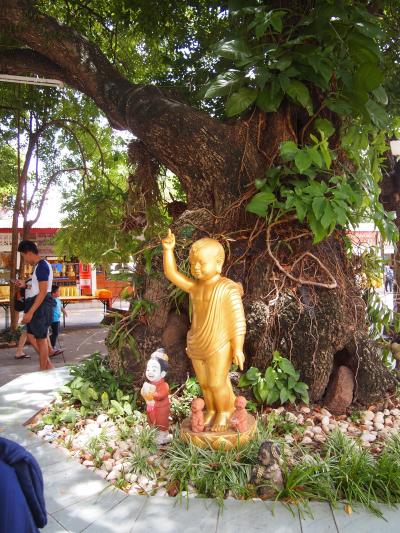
(57, 352)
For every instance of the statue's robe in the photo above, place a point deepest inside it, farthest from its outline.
(225, 320)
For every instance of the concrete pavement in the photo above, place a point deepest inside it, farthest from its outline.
(79, 500)
(82, 336)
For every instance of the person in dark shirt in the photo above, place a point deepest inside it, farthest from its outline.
(38, 312)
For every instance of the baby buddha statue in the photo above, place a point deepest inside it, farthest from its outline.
(215, 339)
(155, 392)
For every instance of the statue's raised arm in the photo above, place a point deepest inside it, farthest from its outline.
(170, 269)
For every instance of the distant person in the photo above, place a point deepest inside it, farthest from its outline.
(39, 303)
(55, 325)
(389, 276)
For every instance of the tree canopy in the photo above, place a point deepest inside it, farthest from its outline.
(274, 117)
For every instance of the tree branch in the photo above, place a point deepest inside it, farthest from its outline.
(50, 181)
(83, 64)
(203, 152)
(22, 61)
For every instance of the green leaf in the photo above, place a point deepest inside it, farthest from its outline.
(224, 84)
(340, 212)
(276, 356)
(128, 408)
(318, 206)
(235, 49)
(253, 374)
(315, 156)
(317, 228)
(259, 184)
(283, 63)
(120, 394)
(276, 20)
(380, 95)
(262, 390)
(339, 106)
(270, 377)
(368, 77)
(284, 395)
(105, 400)
(292, 397)
(118, 407)
(288, 150)
(303, 160)
(301, 209)
(326, 153)
(244, 382)
(377, 113)
(287, 367)
(300, 94)
(269, 101)
(324, 125)
(363, 48)
(240, 101)
(259, 203)
(301, 387)
(305, 397)
(273, 396)
(92, 393)
(291, 382)
(328, 218)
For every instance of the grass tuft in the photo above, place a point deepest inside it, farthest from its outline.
(214, 473)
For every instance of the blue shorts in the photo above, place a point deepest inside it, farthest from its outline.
(42, 317)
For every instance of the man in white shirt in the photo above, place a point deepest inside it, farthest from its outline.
(39, 303)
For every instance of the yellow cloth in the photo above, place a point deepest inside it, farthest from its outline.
(225, 320)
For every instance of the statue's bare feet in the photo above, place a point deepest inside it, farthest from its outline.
(221, 422)
(208, 417)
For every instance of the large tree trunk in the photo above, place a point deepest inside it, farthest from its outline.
(319, 329)
(300, 299)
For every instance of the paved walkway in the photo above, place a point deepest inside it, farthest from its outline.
(77, 344)
(82, 336)
(79, 500)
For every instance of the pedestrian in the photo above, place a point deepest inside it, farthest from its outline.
(55, 325)
(389, 276)
(38, 312)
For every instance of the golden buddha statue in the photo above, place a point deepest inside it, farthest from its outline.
(215, 339)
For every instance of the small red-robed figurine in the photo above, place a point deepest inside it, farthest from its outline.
(197, 416)
(156, 395)
(238, 419)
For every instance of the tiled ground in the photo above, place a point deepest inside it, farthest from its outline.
(79, 500)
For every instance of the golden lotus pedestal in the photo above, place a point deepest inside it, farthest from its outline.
(219, 439)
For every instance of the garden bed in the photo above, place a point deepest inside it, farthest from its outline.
(100, 420)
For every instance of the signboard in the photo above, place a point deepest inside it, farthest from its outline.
(43, 238)
(44, 242)
(5, 242)
(366, 238)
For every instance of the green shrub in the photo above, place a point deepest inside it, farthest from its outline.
(180, 405)
(345, 472)
(96, 389)
(280, 381)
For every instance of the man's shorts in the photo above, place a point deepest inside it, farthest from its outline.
(42, 317)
